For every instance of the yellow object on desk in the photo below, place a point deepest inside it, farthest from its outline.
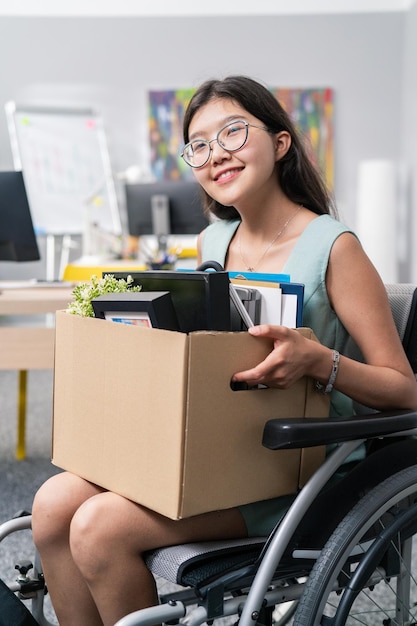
(78, 273)
(184, 253)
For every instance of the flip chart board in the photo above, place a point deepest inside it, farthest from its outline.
(66, 167)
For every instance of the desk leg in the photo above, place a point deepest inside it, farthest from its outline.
(21, 416)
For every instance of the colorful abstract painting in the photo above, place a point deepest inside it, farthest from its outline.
(310, 109)
(312, 112)
(166, 113)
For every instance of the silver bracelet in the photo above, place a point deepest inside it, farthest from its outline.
(335, 368)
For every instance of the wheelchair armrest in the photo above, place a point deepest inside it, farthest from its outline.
(306, 432)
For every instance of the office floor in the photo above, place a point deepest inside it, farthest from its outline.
(19, 480)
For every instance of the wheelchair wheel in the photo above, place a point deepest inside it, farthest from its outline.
(367, 571)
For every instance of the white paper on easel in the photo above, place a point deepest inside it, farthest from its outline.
(376, 224)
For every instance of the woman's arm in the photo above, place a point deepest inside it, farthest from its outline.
(358, 296)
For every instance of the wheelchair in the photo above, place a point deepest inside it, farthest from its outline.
(342, 554)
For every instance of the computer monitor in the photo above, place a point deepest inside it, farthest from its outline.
(200, 299)
(17, 236)
(165, 208)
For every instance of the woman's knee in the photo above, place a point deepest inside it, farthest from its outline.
(96, 531)
(54, 506)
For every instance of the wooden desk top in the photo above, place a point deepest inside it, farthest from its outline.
(33, 300)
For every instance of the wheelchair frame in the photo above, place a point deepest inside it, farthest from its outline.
(252, 590)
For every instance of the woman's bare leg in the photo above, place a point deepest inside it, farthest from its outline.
(53, 508)
(108, 535)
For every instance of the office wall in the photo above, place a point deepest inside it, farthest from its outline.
(406, 124)
(110, 63)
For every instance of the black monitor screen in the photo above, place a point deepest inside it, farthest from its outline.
(200, 299)
(17, 237)
(185, 207)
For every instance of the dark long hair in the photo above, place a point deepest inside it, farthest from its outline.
(298, 178)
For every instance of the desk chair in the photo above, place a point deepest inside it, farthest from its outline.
(337, 542)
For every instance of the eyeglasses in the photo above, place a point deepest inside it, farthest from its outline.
(231, 137)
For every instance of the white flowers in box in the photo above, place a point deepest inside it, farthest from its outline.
(84, 293)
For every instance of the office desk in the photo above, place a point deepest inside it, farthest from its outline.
(27, 345)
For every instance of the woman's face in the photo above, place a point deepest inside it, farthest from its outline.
(234, 178)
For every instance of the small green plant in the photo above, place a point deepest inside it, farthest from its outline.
(85, 292)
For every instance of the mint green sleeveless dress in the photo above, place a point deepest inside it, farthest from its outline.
(307, 264)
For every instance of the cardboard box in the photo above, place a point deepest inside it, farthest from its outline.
(150, 414)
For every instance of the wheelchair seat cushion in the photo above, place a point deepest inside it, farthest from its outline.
(190, 564)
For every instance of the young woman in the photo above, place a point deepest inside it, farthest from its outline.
(274, 217)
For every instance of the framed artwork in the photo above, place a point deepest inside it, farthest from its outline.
(311, 110)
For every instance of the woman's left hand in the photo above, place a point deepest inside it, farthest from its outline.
(285, 364)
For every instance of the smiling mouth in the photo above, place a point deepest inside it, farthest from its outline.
(228, 173)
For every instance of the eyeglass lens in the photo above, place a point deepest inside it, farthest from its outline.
(232, 137)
